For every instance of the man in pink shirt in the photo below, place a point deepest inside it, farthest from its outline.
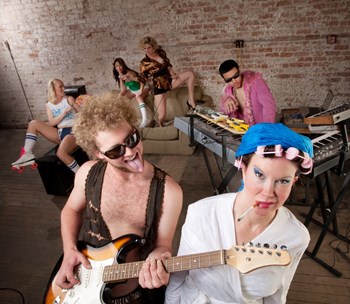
(246, 95)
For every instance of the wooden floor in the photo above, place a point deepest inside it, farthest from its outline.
(30, 228)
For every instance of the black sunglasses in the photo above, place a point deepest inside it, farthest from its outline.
(119, 150)
(235, 76)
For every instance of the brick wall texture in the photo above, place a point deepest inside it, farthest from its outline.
(77, 40)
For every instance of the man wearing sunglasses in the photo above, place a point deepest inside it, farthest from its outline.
(121, 194)
(246, 95)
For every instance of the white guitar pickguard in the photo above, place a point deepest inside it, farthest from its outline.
(91, 286)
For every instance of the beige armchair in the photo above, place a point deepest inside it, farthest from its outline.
(168, 139)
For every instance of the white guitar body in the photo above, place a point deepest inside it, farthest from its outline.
(91, 286)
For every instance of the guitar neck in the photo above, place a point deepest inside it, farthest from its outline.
(119, 272)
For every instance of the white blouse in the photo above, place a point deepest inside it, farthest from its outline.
(210, 226)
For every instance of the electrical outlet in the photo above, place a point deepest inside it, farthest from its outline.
(331, 39)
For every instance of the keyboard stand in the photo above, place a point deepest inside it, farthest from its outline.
(329, 214)
(226, 170)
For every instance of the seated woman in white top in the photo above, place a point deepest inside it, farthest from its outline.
(60, 111)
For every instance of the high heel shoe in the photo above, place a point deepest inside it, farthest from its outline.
(190, 106)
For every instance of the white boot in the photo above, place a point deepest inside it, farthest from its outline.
(26, 158)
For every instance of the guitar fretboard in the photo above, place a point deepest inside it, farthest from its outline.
(118, 272)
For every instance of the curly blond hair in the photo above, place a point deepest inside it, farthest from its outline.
(101, 113)
(148, 40)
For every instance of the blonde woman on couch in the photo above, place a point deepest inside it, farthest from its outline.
(157, 67)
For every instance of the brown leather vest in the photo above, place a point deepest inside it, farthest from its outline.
(95, 230)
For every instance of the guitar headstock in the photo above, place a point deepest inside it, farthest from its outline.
(248, 258)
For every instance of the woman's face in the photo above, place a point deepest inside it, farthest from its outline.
(148, 49)
(268, 182)
(59, 89)
(118, 67)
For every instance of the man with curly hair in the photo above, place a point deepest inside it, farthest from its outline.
(121, 194)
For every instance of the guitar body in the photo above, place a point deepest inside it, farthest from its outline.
(91, 287)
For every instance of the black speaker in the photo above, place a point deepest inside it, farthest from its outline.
(75, 90)
(57, 178)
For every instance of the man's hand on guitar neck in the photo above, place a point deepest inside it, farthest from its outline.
(66, 277)
(153, 274)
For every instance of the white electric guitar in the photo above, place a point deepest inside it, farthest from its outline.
(106, 269)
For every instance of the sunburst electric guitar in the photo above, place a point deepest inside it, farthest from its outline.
(108, 267)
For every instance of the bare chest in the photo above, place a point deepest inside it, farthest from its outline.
(123, 207)
(241, 97)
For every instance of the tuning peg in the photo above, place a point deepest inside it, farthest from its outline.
(274, 246)
(266, 245)
(250, 244)
(258, 245)
(283, 247)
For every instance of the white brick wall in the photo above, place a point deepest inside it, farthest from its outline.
(76, 40)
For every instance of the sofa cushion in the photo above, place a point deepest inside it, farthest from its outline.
(177, 99)
(161, 134)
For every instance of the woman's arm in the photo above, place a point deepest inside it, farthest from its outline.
(132, 76)
(72, 103)
(123, 88)
(54, 121)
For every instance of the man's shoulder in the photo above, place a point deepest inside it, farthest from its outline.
(252, 75)
(86, 167)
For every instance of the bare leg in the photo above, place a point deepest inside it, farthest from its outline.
(39, 127)
(145, 92)
(35, 127)
(128, 94)
(66, 147)
(160, 104)
(188, 77)
(139, 99)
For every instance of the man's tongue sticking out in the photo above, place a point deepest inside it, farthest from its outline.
(136, 163)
